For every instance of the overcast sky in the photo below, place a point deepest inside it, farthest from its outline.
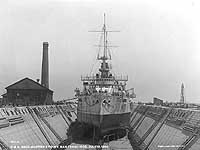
(159, 43)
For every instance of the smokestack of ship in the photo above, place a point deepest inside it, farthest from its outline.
(45, 66)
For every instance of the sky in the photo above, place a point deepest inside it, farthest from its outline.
(158, 44)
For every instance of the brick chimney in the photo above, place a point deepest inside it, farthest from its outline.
(45, 66)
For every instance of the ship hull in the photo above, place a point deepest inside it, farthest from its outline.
(106, 122)
(93, 128)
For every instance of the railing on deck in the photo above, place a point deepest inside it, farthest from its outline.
(112, 78)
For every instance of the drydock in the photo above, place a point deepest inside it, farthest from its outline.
(46, 126)
(151, 128)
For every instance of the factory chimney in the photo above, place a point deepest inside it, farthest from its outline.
(45, 66)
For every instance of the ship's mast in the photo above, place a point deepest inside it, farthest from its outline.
(104, 65)
(105, 42)
(104, 38)
(104, 77)
(104, 69)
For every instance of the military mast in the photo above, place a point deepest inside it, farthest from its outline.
(104, 65)
(104, 69)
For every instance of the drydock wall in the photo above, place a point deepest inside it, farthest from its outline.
(162, 128)
(152, 127)
(35, 127)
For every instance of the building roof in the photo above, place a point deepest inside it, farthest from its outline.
(4, 95)
(27, 84)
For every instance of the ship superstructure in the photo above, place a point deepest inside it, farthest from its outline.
(104, 101)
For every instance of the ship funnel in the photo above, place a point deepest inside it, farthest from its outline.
(45, 66)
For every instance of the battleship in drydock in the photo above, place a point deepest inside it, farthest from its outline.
(104, 103)
(100, 120)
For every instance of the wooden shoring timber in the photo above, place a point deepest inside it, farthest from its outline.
(4, 146)
(48, 125)
(162, 122)
(61, 112)
(39, 125)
